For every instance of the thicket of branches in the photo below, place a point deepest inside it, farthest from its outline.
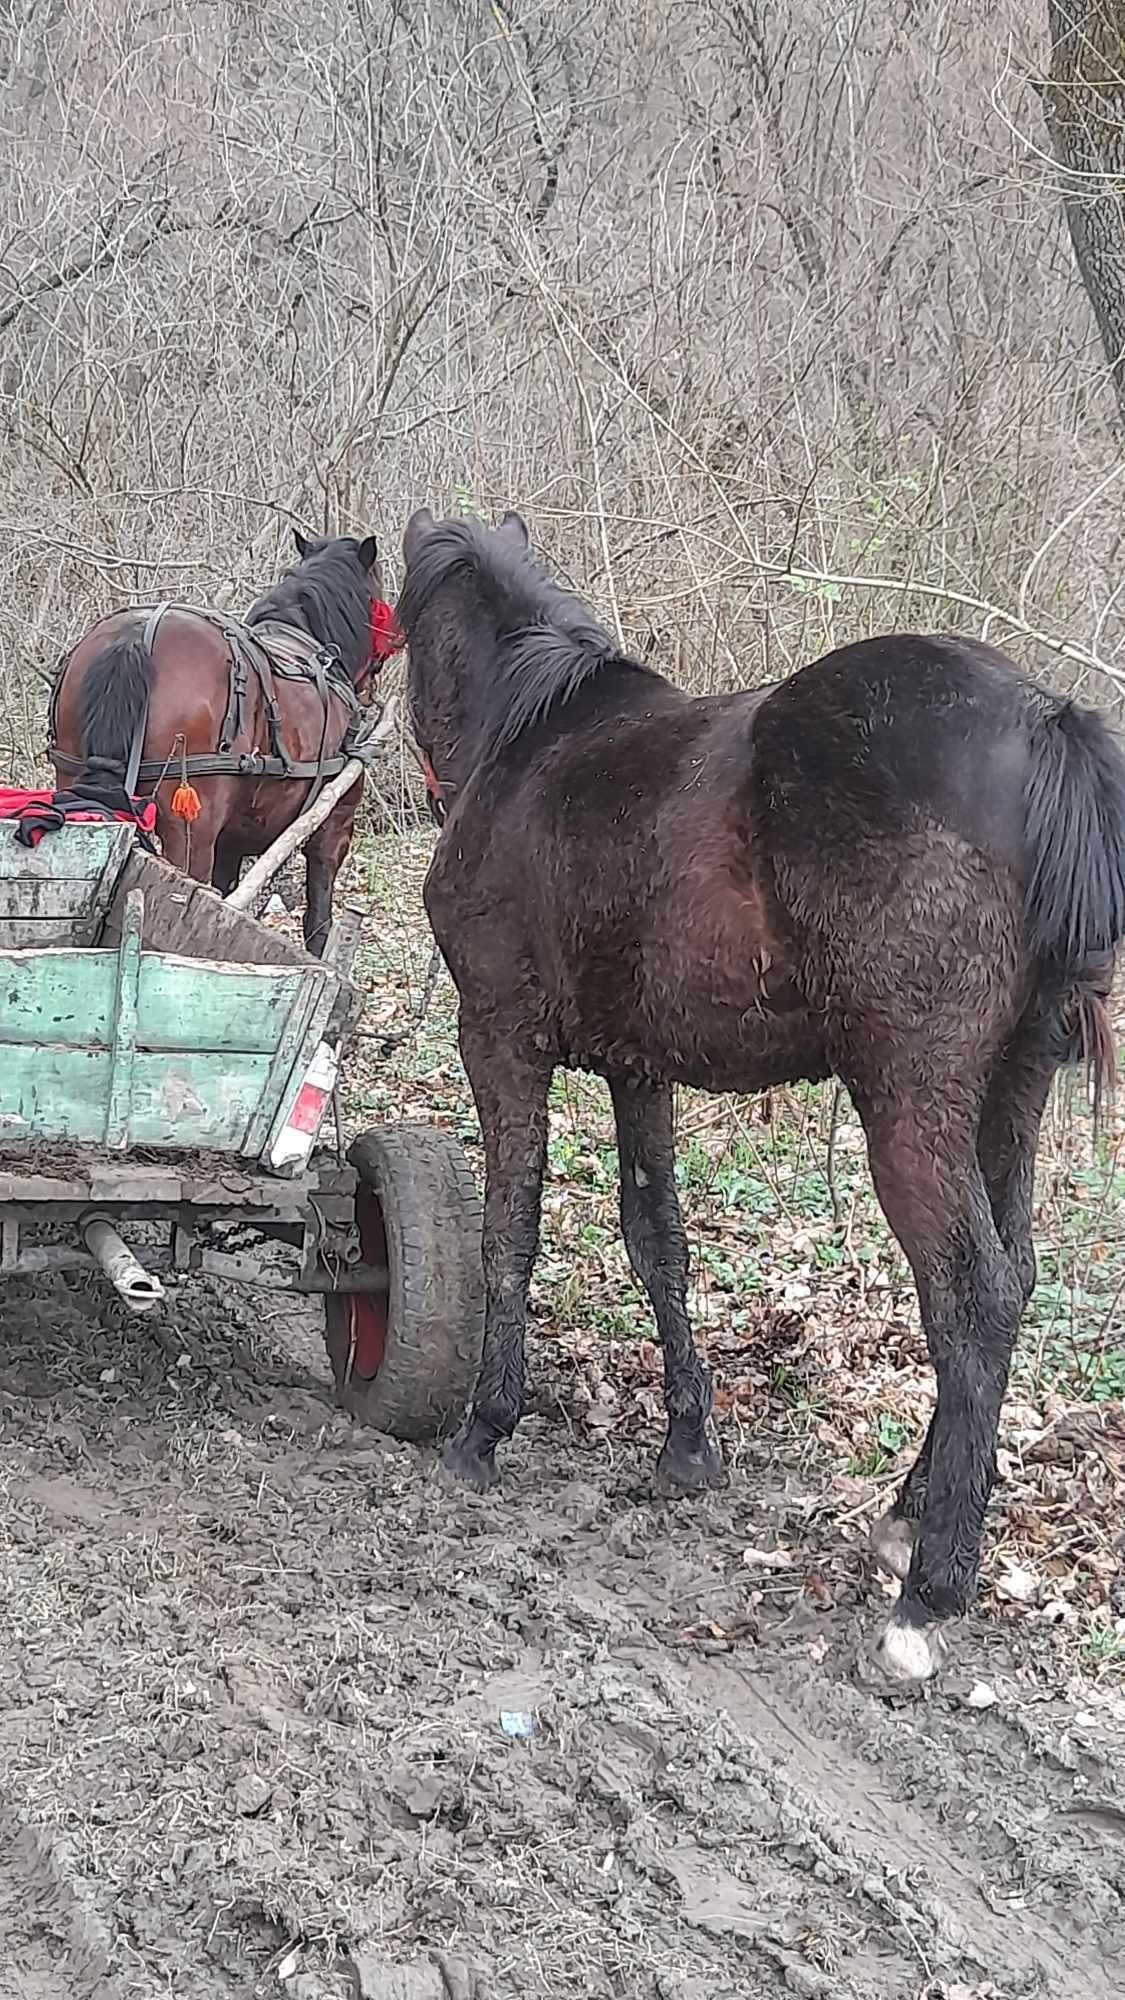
(736, 301)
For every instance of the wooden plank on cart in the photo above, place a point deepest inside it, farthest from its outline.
(189, 919)
(68, 999)
(194, 1003)
(96, 1177)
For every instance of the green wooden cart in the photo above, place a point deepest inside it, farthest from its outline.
(166, 1066)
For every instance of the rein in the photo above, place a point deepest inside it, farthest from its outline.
(433, 789)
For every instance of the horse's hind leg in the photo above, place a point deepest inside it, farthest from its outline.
(1009, 1131)
(658, 1252)
(933, 1191)
(510, 1088)
(320, 881)
(1006, 1147)
(228, 864)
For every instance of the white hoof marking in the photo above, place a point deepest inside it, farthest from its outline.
(909, 1652)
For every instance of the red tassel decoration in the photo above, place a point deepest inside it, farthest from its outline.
(387, 635)
(186, 803)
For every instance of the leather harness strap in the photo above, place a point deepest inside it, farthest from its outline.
(287, 654)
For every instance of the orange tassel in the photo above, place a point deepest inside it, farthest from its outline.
(186, 803)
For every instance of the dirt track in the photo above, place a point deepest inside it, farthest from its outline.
(252, 1674)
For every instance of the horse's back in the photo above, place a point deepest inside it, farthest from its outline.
(891, 736)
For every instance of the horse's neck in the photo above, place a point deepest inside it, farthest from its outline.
(456, 755)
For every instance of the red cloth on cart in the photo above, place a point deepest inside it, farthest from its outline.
(44, 812)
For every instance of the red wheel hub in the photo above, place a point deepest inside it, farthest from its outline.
(369, 1311)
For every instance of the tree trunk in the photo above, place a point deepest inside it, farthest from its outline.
(1084, 104)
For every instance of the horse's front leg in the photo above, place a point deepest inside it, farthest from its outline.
(510, 1087)
(321, 866)
(656, 1241)
(324, 857)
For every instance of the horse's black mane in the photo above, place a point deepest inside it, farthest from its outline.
(327, 593)
(548, 645)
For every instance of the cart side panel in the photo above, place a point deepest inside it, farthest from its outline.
(60, 891)
(70, 997)
(209, 1052)
(185, 1100)
(57, 997)
(182, 1025)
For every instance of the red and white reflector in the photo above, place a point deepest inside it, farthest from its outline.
(297, 1136)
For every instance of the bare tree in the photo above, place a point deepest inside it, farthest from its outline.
(765, 315)
(1084, 102)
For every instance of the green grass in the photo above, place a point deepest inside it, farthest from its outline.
(890, 1436)
(1102, 1649)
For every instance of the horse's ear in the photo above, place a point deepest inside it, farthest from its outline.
(420, 524)
(515, 527)
(304, 545)
(368, 552)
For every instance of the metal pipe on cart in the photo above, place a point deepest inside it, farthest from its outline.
(139, 1289)
(235, 1269)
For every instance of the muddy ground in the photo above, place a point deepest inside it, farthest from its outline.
(254, 1666)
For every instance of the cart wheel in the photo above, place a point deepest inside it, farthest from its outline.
(405, 1360)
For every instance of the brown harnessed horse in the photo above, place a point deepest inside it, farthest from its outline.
(234, 725)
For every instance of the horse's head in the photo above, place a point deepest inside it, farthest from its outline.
(450, 624)
(352, 613)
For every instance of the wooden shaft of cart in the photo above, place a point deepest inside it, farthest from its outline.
(305, 825)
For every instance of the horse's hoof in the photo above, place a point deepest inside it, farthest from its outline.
(892, 1544)
(679, 1471)
(909, 1653)
(472, 1468)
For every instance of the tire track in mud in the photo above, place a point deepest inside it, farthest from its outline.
(51, 1939)
(253, 1671)
(930, 1885)
(964, 1850)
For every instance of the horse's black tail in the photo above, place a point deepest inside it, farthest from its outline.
(113, 701)
(1074, 829)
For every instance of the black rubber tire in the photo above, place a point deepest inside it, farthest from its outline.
(431, 1218)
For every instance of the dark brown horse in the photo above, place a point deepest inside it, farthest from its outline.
(904, 866)
(252, 714)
